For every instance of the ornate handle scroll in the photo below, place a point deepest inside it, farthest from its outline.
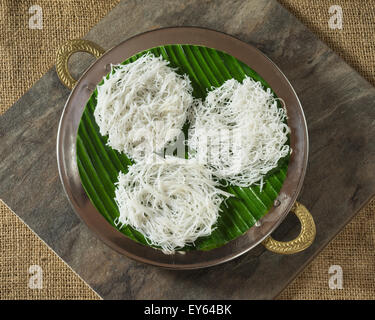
(65, 52)
(304, 239)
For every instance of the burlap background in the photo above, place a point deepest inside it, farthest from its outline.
(27, 54)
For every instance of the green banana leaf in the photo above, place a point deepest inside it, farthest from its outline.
(99, 164)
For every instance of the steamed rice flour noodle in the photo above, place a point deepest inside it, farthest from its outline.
(142, 106)
(239, 132)
(171, 201)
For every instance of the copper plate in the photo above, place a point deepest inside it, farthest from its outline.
(67, 133)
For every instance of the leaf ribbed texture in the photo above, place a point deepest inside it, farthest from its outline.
(99, 164)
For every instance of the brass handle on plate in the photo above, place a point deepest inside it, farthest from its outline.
(65, 52)
(304, 239)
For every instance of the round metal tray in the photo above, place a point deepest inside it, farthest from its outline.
(67, 133)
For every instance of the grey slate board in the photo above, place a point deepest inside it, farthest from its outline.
(340, 109)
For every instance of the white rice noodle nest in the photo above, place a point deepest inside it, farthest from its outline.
(239, 132)
(142, 106)
(171, 201)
